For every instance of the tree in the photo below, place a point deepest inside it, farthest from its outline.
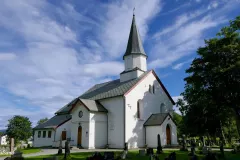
(213, 85)
(43, 120)
(19, 128)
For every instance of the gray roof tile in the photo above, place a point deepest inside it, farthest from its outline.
(54, 122)
(104, 90)
(156, 119)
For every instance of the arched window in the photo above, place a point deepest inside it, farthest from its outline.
(162, 107)
(150, 88)
(138, 109)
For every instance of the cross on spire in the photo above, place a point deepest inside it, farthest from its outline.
(133, 11)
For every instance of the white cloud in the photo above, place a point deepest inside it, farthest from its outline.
(7, 56)
(183, 37)
(64, 56)
(213, 5)
(180, 65)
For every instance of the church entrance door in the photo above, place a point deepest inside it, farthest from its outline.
(168, 135)
(79, 136)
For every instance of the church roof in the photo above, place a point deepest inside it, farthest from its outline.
(156, 119)
(134, 45)
(104, 90)
(91, 105)
(54, 122)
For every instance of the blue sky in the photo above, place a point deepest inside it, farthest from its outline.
(52, 51)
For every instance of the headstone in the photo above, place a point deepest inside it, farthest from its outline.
(124, 154)
(193, 145)
(60, 147)
(108, 155)
(172, 156)
(183, 144)
(205, 150)
(221, 146)
(126, 146)
(142, 152)
(150, 151)
(96, 156)
(159, 147)
(17, 155)
(67, 149)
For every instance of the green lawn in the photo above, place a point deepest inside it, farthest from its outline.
(30, 150)
(133, 155)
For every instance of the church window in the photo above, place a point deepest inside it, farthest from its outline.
(49, 134)
(44, 134)
(80, 114)
(138, 109)
(150, 89)
(39, 134)
(64, 135)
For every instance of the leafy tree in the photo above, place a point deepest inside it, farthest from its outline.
(213, 85)
(19, 128)
(43, 120)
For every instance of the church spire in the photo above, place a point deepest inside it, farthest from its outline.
(134, 45)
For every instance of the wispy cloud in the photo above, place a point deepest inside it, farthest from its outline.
(180, 65)
(64, 51)
(184, 36)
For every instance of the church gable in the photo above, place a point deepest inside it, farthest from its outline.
(154, 85)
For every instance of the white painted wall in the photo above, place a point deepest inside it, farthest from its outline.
(151, 135)
(153, 131)
(98, 130)
(3, 140)
(173, 130)
(40, 142)
(140, 61)
(84, 121)
(115, 107)
(132, 61)
(135, 134)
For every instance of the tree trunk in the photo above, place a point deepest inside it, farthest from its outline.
(222, 133)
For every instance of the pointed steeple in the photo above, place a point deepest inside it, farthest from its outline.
(134, 45)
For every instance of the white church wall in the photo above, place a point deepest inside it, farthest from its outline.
(64, 127)
(140, 62)
(98, 130)
(40, 141)
(135, 135)
(128, 62)
(83, 121)
(173, 131)
(115, 107)
(151, 135)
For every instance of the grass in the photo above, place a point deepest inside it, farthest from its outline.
(30, 150)
(133, 155)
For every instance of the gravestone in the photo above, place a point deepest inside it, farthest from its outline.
(60, 147)
(17, 155)
(142, 152)
(221, 146)
(150, 151)
(67, 149)
(108, 155)
(126, 146)
(193, 145)
(183, 144)
(124, 154)
(159, 147)
(172, 156)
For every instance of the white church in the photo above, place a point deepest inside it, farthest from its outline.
(133, 109)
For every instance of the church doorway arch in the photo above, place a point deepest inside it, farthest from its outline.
(168, 134)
